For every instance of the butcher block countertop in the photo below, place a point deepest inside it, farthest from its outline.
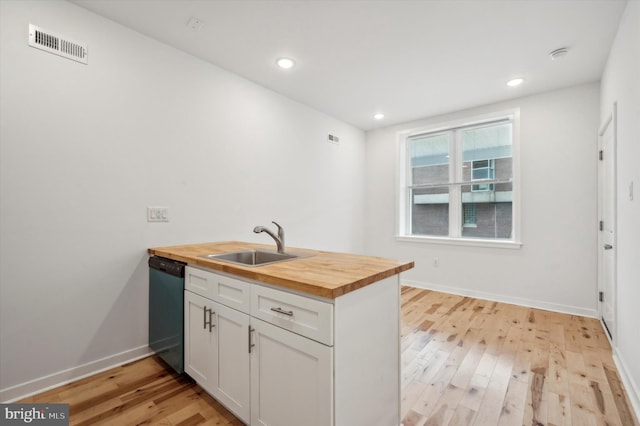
(324, 274)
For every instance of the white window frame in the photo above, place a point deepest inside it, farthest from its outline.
(455, 214)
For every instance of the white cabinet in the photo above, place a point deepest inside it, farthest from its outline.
(291, 378)
(226, 290)
(231, 385)
(217, 351)
(200, 342)
(276, 358)
(302, 315)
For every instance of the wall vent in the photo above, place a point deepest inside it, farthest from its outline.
(61, 46)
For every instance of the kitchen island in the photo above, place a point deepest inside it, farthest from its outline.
(313, 341)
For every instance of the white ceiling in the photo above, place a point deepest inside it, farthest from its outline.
(407, 59)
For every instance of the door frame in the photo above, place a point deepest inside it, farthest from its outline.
(611, 120)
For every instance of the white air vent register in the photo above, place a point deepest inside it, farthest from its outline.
(61, 46)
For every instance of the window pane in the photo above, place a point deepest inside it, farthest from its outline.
(430, 211)
(469, 215)
(486, 153)
(429, 159)
(480, 174)
(493, 212)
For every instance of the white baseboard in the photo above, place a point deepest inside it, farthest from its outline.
(39, 385)
(530, 303)
(632, 389)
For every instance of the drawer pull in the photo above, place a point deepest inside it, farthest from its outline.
(210, 321)
(211, 324)
(280, 311)
(204, 320)
(251, 330)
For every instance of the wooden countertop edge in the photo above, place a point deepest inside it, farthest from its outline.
(265, 276)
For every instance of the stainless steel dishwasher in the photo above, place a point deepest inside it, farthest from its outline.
(166, 310)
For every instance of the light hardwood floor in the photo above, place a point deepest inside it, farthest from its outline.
(465, 361)
(145, 392)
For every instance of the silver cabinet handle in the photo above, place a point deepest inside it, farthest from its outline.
(608, 246)
(204, 320)
(251, 330)
(210, 321)
(211, 324)
(280, 311)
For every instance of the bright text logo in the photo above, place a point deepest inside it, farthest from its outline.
(37, 414)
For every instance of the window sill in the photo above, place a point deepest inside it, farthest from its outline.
(469, 242)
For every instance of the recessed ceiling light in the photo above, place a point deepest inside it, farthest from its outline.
(285, 63)
(515, 82)
(378, 116)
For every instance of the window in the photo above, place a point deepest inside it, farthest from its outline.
(483, 170)
(470, 218)
(458, 182)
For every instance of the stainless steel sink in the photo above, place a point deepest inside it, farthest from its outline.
(254, 257)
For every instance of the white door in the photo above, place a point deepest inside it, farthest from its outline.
(291, 378)
(199, 340)
(607, 235)
(232, 387)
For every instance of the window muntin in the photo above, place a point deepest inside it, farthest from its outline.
(443, 196)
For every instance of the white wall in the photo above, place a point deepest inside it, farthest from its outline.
(621, 84)
(556, 266)
(86, 148)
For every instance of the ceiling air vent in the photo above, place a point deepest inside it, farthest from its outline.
(61, 46)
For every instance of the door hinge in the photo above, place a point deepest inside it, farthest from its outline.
(601, 226)
(601, 296)
(601, 155)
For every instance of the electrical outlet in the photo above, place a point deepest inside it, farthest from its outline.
(157, 214)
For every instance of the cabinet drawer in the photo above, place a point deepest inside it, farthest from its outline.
(302, 315)
(220, 288)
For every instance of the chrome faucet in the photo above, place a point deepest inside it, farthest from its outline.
(278, 238)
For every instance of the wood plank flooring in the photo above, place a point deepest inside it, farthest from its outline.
(465, 361)
(145, 392)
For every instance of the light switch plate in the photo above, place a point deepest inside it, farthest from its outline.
(157, 214)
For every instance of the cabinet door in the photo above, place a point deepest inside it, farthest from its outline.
(233, 370)
(291, 378)
(200, 340)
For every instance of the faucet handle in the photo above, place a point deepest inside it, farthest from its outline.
(280, 231)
